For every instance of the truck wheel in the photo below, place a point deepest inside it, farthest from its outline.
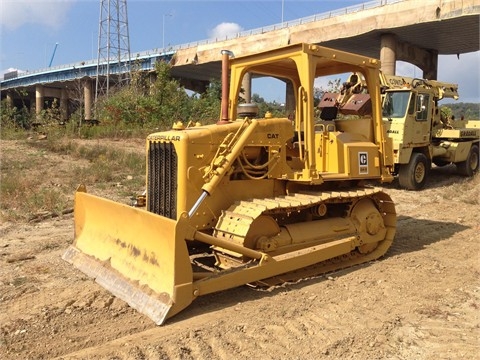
(412, 176)
(470, 166)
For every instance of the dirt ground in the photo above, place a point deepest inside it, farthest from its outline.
(421, 301)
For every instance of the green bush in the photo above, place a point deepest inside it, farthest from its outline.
(157, 105)
(14, 119)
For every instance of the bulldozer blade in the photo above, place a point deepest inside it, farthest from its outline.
(138, 256)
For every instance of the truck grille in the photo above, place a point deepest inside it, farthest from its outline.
(162, 179)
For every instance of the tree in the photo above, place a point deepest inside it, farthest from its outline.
(206, 106)
(156, 104)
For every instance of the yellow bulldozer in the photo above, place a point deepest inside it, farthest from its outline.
(250, 199)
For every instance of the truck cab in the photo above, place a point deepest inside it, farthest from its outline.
(412, 119)
(407, 115)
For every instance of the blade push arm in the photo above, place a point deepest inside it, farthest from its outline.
(227, 152)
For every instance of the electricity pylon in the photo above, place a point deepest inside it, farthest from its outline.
(113, 61)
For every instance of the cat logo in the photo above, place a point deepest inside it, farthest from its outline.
(272, 136)
(363, 163)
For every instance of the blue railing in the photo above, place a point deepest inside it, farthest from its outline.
(81, 70)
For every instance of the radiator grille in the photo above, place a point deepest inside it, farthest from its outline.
(162, 179)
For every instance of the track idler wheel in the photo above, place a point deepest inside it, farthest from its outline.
(369, 223)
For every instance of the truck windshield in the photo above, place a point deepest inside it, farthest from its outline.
(395, 104)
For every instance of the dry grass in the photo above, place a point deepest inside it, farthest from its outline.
(467, 191)
(23, 192)
(38, 180)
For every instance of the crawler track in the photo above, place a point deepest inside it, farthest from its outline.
(236, 222)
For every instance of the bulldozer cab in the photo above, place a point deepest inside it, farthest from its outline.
(305, 70)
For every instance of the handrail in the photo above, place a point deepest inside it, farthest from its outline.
(299, 118)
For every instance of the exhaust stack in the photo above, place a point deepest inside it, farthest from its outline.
(226, 54)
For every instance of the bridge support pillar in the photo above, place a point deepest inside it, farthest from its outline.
(39, 98)
(9, 99)
(88, 99)
(392, 50)
(63, 105)
(388, 53)
(427, 60)
(431, 72)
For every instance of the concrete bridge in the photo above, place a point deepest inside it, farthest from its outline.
(406, 30)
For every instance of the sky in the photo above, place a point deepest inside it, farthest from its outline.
(34, 33)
